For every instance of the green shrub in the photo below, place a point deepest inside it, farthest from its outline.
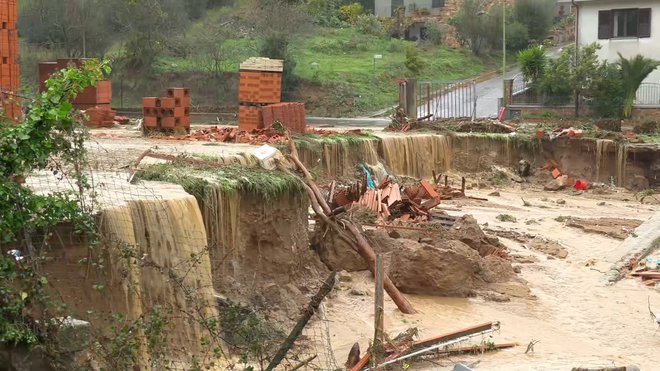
(369, 24)
(350, 13)
(533, 62)
(606, 96)
(435, 32)
(517, 37)
(413, 62)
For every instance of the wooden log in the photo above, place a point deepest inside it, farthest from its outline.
(313, 305)
(368, 254)
(378, 348)
(362, 245)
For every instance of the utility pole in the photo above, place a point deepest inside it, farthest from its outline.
(504, 52)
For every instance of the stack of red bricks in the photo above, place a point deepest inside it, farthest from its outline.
(96, 100)
(260, 85)
(260, 94)
(291, 115)
(167, 114)
(9, 68)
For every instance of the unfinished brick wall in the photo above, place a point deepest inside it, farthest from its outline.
(9, 68)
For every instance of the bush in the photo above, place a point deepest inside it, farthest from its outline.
(435, 32)
(606, 93)
(647, 127)
(517, 37)
(413, 62)
(609, 124)
(369, 24)
(350, 13)
(533, 62)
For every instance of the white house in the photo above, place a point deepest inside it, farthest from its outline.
(386, 8)
(629, 27)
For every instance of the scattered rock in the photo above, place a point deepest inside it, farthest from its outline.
(517, 268)
(556, 184)
(494, 194)
(426, 240)
(550, 257)
(394, 234)
(552, 248)
(602, 203)
(467, 230)
(344, 276)
(561, 201)
(357, 292)
(496, 297)
(524, 259)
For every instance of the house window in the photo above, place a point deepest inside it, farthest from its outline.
(438, 4)
(619, 23)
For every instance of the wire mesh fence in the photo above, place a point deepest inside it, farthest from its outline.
(147, 284)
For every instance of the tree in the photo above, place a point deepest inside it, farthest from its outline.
(606, 95)
(570, 75)
(633, 72)
(76, 26)
(478, 28)
(277, 22)
(536, 15)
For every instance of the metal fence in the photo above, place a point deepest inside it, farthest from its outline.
(446, 99)
(523, 92)
(648, 94)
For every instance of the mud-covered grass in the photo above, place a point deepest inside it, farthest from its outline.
(315, 142)
(266, 184)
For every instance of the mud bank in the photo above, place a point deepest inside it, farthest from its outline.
(634, 166)
(151, 260)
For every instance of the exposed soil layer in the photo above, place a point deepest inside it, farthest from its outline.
(260, 252)
(612, 227)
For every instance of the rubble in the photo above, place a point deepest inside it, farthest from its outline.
(226, 134)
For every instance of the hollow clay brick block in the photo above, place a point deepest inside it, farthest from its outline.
(167, 103)
(150, 102)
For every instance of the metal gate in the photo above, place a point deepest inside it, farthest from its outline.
(446, 99)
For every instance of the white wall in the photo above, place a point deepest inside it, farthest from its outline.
(383, 8)
(648, 47)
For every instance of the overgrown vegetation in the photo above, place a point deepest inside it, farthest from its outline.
(609, 88)
(50, 138)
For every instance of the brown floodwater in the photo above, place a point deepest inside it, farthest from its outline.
(577, 319)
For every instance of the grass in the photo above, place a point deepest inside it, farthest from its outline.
(338, 63)
(268, 185)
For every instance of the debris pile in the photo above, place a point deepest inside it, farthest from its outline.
(404, 346)
(234, 135)
(392, 201)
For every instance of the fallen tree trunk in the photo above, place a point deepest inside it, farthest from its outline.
(360, 243)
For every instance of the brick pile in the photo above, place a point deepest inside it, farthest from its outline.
(167, 114)
(9, 68)
(260, 96)
(291, 115)
(260, 85)
(95, 101)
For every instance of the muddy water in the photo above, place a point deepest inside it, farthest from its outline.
(417, 155)
(578, 320)
(168, 233)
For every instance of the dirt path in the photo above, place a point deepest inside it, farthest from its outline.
(578, 320)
